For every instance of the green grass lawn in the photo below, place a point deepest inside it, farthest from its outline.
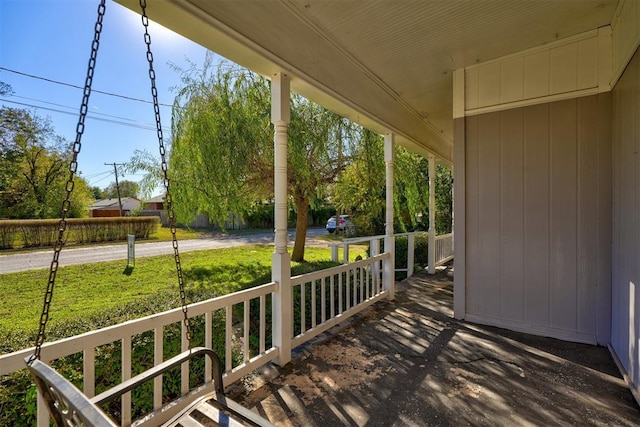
(164, 234)
(89, 291)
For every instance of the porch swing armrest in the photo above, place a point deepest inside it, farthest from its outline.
(67, 405)
(130, 384)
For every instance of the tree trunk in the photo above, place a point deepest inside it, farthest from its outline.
(302, 219)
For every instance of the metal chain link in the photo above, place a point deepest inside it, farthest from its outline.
(73, 167)
(168, 198)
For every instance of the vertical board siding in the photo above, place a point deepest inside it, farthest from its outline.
(472, 241)
(559, 68)
(604, 209)
(460, 225)
(536, 215)
(563, 68)
(626, 34)
(533, 220)
(563, 213)
(489, 215)
(587, 205)
(536, 75)
(511, 214)
(625, 328)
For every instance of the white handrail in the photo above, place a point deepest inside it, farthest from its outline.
(87, 344)
(333, 294)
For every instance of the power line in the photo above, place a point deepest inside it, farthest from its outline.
(71, 108)
(133, 125)
(80, 87)
(95, 175)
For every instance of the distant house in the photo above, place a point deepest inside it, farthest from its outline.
(154, 204)
(111, 208)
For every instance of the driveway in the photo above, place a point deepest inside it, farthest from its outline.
(34, 260)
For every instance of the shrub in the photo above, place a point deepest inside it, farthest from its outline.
(44, 232)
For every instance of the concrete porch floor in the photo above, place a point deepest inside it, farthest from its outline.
(409, 363)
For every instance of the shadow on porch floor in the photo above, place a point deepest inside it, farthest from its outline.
(410, 363)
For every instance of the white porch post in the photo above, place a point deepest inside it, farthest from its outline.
(389, 242)
(281, 261)
(432, 215)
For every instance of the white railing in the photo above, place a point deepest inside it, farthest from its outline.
(323, 299)
(327, 297)
(444, 248)
(238, 358)
(374, 248)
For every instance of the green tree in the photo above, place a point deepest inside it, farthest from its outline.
(146, 162)
(222, 149)
(444, 200)
(97, 192)
(34, 163)
(127, 189)
(361, 189)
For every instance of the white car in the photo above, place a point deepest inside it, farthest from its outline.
(344, 224)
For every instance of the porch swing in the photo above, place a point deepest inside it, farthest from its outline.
(67, 405)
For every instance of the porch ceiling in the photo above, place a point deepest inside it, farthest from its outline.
(387, 63)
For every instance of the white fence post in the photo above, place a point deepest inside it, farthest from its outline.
(334, 253)
(345, 253)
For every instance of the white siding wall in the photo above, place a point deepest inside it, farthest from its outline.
(626, 35)
(576, 66)
(538, 215)
(625, 335)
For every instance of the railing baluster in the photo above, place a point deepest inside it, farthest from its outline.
(228, 332)
(208, 341)
(126, 374)
(184, 369)
(354, 285)
(247, 323)
(89, 372)
(263, 322)
(158, 358)
(303, 301)
(361, 270)
(323, 298)
(340, 286)
(332, 295)
(313, 304)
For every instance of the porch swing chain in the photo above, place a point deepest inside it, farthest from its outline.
(73, 167)
(168, 198)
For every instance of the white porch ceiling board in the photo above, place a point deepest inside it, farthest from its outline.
(384, 63)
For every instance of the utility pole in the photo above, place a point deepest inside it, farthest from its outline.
(115, 171)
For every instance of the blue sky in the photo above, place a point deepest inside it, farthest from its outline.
(51, 39)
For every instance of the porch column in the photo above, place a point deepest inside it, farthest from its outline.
(389, 242)
(280, 260)
(432, 215)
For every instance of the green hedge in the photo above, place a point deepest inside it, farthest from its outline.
(30, 233)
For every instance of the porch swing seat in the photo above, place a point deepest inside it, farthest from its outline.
(70, 407)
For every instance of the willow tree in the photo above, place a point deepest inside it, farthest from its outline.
(361, 188)
(222, 149)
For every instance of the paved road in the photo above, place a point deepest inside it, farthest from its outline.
(34, 260)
